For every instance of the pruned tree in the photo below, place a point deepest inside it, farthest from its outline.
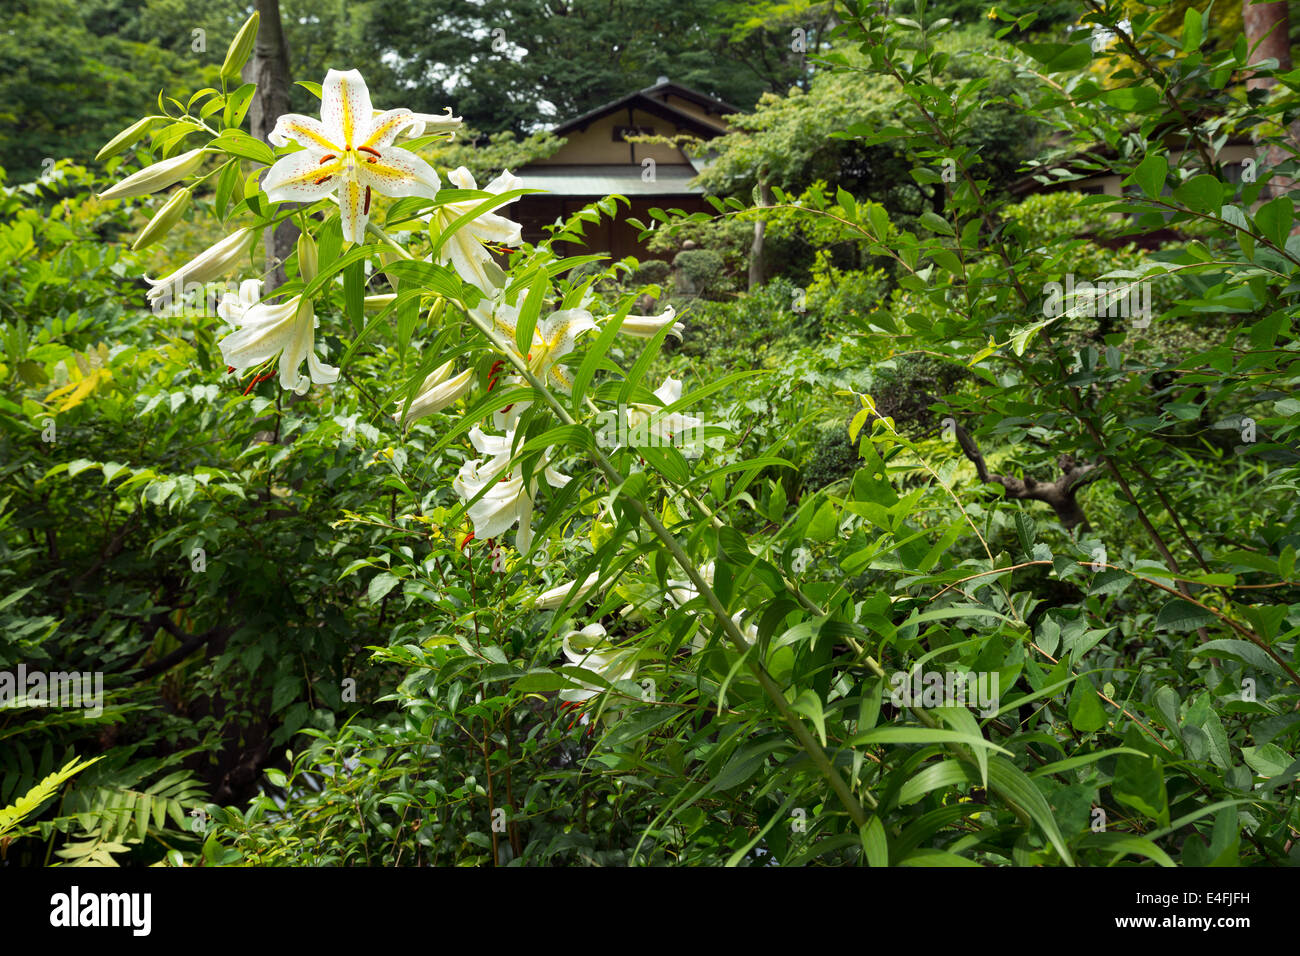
(1061, 494)
(269, 69)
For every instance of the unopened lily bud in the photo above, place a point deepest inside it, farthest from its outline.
(377, 303)
(212, 263)
(159, 176)
(435, 315)
(436, 393)
(308, 259)
(126, 138)
(433, 123)
(553, 598)
(240, 48)
(167, 216)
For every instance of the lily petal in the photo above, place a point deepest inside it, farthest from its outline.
(300, 177)
(353, 211)
(670, 391)
(490, 227)
(504, 183)
(306, 131)
(561, 329)
(399, 172)
(462, 178)
(264, 330)
(345, 108)
(387, 126)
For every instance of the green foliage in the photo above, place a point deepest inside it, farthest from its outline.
(31, 801)
(749, 649)
(703, 270)
(532, 60)
(795, 139)
(487, 156)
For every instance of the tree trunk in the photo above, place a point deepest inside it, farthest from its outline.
(756, 264)
(1266, 24)
(269, 69)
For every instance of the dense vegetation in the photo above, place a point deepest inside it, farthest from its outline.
(365, 621)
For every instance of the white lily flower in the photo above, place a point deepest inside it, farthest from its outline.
(683, 592)
(211, 263)
(433, 123)
(553, 338)
(747, 631)
(507, 501)
(554, 597)
(505, 504)
(646, 326)
(158, 176)
(589, 650)
(287, 328)
(233, 306)
(672, 428)
(349, 151)
(464, 248)
(436, 393)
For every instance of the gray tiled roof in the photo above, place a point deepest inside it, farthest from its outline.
(602, 180)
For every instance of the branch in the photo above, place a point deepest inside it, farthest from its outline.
(189, 644)
(1060, 494)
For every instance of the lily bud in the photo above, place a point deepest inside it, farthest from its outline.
(549, 600)
(436, 393)
(433, 123)
(126, 138)
(159, 176)
(646, 326)
(211, 263)
(240, 48)
(435, 315)
(308, 259)
(377, 303)
(163, 219)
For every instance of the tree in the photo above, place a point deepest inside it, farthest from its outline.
(521, 64)
(269, 69)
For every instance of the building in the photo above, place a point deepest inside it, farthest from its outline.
(597, 160)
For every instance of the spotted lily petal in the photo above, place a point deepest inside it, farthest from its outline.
(286, 328)
(306, 132)
(302, 177)
(345, 108)
(399, 172)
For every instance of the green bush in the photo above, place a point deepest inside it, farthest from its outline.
(705, 273)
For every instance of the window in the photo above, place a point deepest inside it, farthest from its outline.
(622, 132)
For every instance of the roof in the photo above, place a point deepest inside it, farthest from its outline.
(651, 99)
(710, 103)
(671, 179)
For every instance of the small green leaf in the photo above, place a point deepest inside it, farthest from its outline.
(1085, 710)
(1150, 174)
(810, 705)
(1180, 615)
(380, 585)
